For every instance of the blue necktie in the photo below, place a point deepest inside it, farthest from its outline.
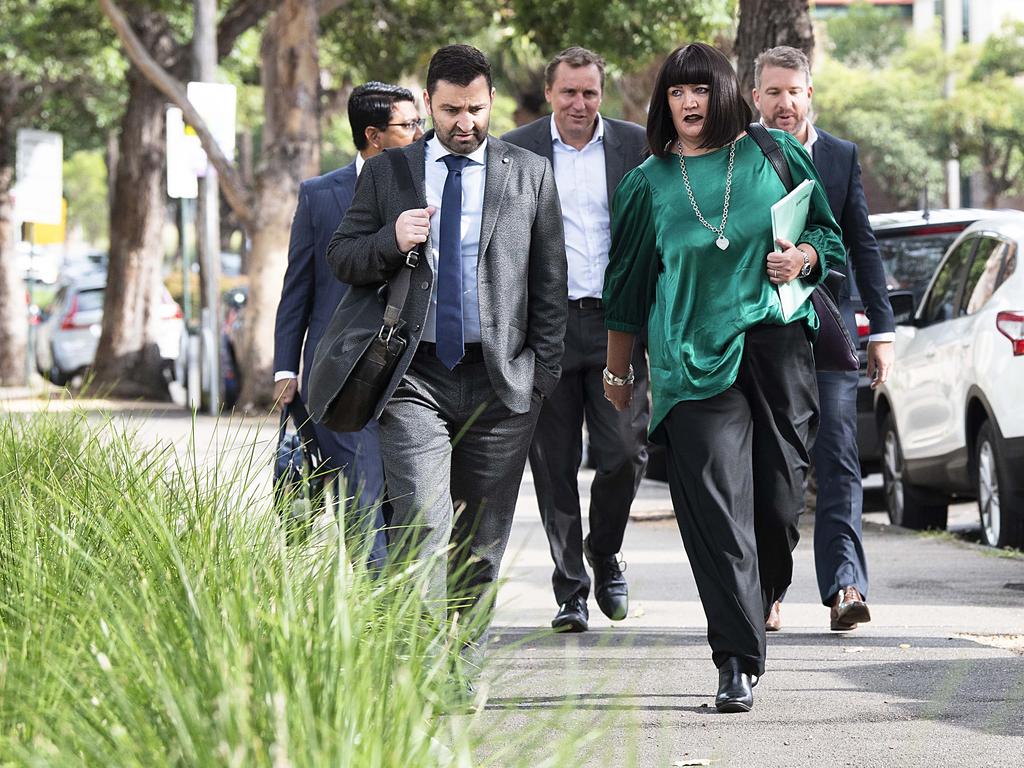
(448, 322)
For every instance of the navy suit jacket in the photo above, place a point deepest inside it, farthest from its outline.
(839, 169)
(311, 292)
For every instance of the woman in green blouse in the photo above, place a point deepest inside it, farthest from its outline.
(733, 385)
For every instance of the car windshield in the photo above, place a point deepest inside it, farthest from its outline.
(910, 259)
(90, 300)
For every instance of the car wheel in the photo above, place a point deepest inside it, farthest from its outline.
(999, 524)
(909, 506)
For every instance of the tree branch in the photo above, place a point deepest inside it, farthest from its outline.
(240, 17)
(327, 7)
(238, 196)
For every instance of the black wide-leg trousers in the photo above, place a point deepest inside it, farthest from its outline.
(736, 468)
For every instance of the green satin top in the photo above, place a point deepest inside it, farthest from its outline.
(666, 273)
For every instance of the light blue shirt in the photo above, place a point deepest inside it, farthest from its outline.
(473, 178)
(582, 182)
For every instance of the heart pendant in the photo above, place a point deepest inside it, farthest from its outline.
(722, 242)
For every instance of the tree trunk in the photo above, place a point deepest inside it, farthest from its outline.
(765, 24)
(290, 154)
(13, 316)
(128, 361)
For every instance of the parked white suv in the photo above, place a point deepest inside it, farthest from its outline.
(951, 416)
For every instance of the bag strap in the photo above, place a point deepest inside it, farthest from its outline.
(771, 149)
(398, 286)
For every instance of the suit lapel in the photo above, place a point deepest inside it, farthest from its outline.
(614, 162)
(416, 154)
(499, 166)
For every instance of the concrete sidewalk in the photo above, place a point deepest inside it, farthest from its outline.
(936, 678)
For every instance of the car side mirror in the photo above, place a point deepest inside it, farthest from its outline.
(902, 303)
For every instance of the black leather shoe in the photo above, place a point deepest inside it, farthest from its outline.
(610, 587)
(734, 688)
(572, 616)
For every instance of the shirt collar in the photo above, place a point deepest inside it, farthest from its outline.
(812, 134)
(436, 150)
(598, 132)
(360, 162)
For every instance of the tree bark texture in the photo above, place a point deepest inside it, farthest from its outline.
(13, 316)
(128, 362)
(765, 24)
(290, 72)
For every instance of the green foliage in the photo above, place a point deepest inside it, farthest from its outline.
(866, 34)
(628, 33)
(1002, 52)
(85, 187)
(151, 615)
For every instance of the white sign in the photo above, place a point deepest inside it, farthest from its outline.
(185, 156)
(39, 186)
(216, 104)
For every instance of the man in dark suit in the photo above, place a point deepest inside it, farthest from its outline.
(381, 116)
(782, 94)
(484, 320)
(590, 154)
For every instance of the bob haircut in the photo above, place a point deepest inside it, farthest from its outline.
(698, 64)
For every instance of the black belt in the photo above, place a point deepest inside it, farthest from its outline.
(587, 302)
(474, 351)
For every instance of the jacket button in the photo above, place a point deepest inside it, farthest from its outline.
(424, 285)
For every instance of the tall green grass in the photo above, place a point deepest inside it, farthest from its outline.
(151, 614)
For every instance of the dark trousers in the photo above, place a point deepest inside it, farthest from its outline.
(355, 456)
(736, 469)
(618, 444)
(838, 544)
(454, 457)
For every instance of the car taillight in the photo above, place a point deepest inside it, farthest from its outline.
(863, 326)
(1011, 325)
(69, 323)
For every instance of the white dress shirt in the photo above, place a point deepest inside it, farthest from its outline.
(473, 178)
(582, 182)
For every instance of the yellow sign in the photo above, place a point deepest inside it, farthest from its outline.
(50, 234)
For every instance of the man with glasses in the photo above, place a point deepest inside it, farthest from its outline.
(381, 116)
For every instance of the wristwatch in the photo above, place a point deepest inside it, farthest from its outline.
(806, 269)
(618, 381)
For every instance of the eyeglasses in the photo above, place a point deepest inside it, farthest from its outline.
(412, 125)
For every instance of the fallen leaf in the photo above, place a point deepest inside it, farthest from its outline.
(904, 646)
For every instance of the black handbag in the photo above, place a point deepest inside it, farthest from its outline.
(364, 341)
(834, 349)
(299, 476)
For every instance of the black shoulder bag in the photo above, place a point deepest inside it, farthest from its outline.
(834, 349)
(364, 340)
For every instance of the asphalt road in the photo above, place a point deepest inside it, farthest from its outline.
(936, 679)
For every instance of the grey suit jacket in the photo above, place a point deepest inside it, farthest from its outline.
(521, 269)
(625, 146)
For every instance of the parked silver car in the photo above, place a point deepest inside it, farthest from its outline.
(67, 337)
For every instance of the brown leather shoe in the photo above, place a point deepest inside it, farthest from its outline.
(848, 610)
(774, 621)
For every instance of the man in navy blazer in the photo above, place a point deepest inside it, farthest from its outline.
(381, 116)
(782, 94)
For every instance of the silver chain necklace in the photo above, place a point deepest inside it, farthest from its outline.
(722, 242)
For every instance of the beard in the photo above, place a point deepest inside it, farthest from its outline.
(460, 145)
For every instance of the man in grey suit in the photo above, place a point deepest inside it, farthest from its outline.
(590, 154)
(484, 319)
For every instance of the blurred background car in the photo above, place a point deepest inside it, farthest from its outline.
(69, 332)
(950, 415)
